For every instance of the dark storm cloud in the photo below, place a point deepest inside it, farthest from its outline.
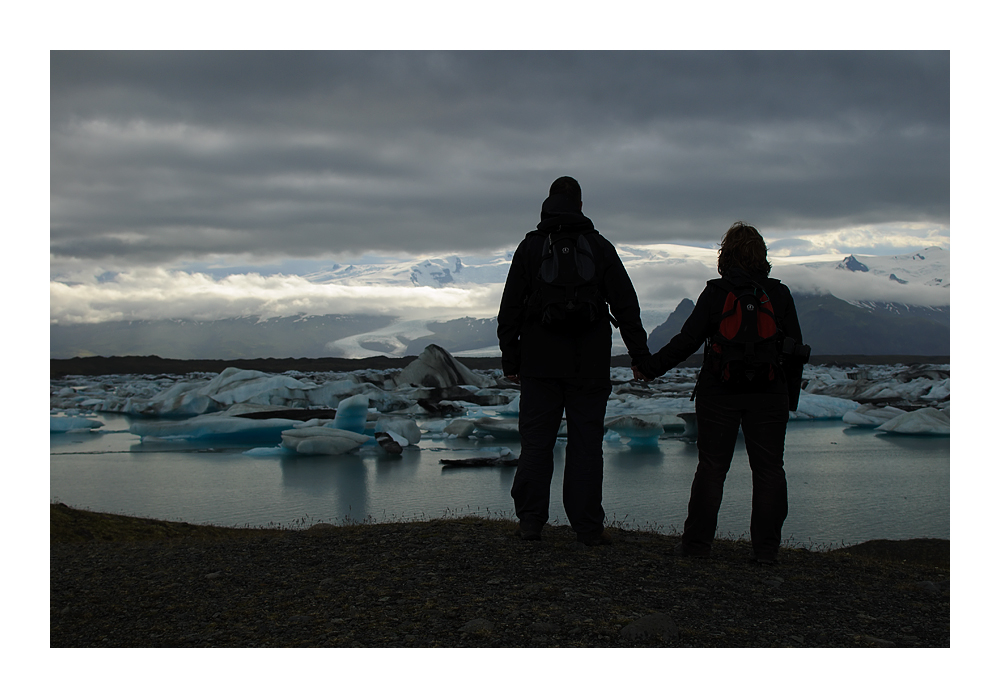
(167, 156)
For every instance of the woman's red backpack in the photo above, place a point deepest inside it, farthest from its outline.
(747, 345)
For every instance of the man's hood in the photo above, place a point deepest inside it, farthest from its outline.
(562, 211)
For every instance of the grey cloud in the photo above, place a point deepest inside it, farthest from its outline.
(173, 156)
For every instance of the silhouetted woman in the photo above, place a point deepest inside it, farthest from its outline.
(743, 383)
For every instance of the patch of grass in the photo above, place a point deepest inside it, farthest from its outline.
(928, 552)
(69, 525)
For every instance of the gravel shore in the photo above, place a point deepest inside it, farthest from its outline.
(125, 582)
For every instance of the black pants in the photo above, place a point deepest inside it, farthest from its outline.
(764, 419)
(542, 403)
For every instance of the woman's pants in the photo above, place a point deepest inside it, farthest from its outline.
(763, 418)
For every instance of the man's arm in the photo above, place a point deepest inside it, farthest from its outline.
(510, 318)
(624, 305)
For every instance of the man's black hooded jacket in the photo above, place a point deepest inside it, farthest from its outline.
(532, 349)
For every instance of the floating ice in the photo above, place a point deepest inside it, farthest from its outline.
(638, 430)
(512, 407)
(872, 415)
(322, 440)
(436, 368)
(831, 393)
(235, 385)
(822, 407)
(265, 452)
(460, 428)
(59, 425)
(435, 426)
(403, 426)
(391, 442)
(690, 426)
(927, 420)
(352, 414)
(924, 384)
(220, 427)
(498, 428)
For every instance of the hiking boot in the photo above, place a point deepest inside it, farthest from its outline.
(680, 550)
(603, 539)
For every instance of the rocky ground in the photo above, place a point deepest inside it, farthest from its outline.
(126, 582)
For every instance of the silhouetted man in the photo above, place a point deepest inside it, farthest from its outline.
(554, 328)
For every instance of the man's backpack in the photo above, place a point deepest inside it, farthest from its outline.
(747, 346)
(566, 296)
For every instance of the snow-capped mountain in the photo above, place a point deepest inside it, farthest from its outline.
(847, 305)
(929, 267)
(436, 272)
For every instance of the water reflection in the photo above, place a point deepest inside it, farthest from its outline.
(342, 480)
(635, 457)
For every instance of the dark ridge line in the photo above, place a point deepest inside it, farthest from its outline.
(145, 365)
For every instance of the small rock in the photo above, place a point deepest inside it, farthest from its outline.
(213, 575)
(877, 641)
(654, 625)
(477, 625)
(774, 582)
(544, 628)
(928, 588)
(388, 443)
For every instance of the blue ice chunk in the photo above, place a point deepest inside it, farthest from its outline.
(352, 413)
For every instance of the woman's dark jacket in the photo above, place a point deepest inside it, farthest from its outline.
(532, 349)
(704, 322)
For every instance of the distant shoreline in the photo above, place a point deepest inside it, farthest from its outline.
(118, 365)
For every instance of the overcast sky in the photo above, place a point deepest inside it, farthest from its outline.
(189, 160)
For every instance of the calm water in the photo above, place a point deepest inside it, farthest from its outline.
(845, 485)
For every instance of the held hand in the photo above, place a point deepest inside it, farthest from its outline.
(514, 378)
(638, 375)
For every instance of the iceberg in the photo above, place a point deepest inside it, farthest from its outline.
(403, 426)
(449, 400)
(500, 428)
(61, 425)
(352, 414)
(436, 368)
(822, 407)
(322, 440)
(220, 427)
(265, 452)
(513, 407)
(391, 442)
(925, 385)
(640, 431)
(460, 428)
(235, 385)
(872, 415)
(926, 420)
(690, 426)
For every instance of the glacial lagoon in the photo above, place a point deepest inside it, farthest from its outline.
(846, 484)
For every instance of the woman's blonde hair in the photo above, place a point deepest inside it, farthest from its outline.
(743, 247)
